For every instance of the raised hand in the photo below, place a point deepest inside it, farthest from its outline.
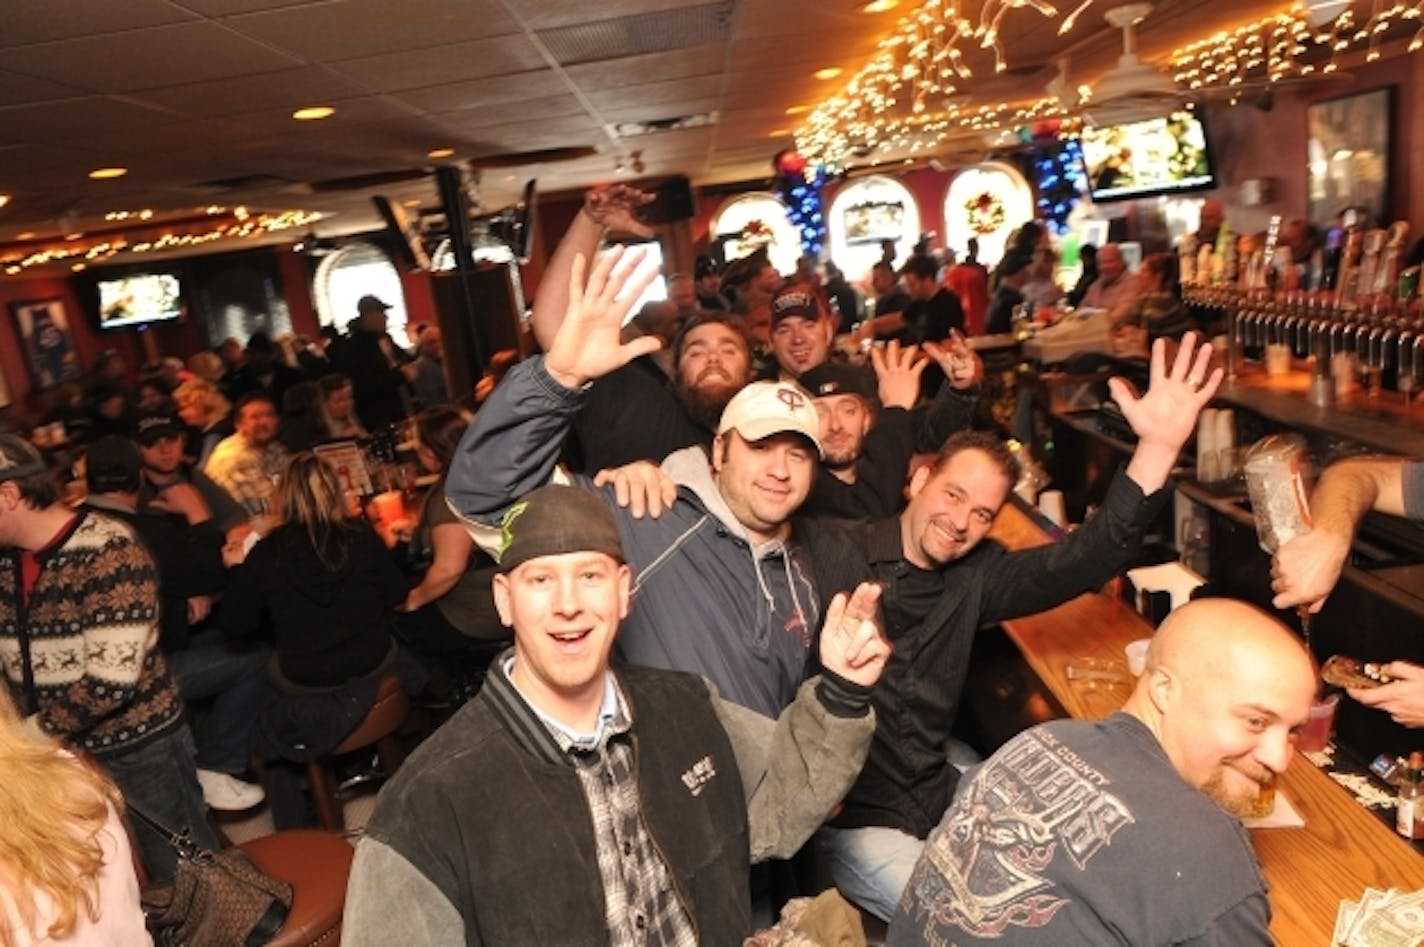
(1165, 416)
(640, 487)
(851, 642)
(589, 344)
(898, 371)
(962, 366)
(614, 207)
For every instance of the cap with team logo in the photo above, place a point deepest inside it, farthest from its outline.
(764, 408)
(795, 301)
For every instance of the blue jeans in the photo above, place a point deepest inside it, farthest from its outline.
(230, 679)
(161, 778)
(871, 866)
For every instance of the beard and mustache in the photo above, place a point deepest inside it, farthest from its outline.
(707, 395)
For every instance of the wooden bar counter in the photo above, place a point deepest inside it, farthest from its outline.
(1341, 850)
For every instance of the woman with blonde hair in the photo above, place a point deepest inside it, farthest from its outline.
(66, 870)
(207, 412)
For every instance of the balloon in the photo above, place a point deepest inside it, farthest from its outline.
(789, 162)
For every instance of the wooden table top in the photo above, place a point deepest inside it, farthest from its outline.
(1341, 850)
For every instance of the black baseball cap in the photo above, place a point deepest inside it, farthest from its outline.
(156, 424)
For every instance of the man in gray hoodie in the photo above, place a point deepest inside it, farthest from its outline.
(721, 581)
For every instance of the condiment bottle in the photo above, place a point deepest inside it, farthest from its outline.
(1409, 814)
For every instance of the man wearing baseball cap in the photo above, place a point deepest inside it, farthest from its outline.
(167, 474)
(530, 819)
(801, 330)
(722, 581)
(380, 370)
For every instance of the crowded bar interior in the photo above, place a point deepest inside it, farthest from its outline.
(1078, 345)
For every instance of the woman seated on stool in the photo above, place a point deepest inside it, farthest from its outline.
(327, 585)
(66, 870)
(449, 620)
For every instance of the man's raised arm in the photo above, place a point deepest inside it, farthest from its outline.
(604, 209)
(516, 439)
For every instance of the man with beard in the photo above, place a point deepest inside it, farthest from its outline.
(871, 426)
(721, 578)
(1131, 820)
(637, 412)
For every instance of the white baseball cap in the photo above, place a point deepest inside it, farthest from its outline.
(764, 408)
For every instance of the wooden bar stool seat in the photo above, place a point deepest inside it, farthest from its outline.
(377, 728)
(316, 864)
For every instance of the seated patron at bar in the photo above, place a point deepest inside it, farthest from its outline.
(530, 819)
(1306, 569)
(1125, 830)
(1115, 290)
(248, 463)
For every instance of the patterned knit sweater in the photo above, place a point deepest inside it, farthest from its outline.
(91, 631)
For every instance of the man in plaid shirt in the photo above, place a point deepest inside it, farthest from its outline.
(247, 464)
(572, 803)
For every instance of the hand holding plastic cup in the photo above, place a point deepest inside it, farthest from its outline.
(1315, 735)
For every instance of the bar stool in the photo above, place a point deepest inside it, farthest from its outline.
(377, 728)
(316, 864)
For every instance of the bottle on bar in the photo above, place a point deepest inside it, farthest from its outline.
(1409, 812)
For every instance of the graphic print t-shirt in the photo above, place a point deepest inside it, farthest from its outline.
(1082, 833)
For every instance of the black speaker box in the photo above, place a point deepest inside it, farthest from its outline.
(673, 202)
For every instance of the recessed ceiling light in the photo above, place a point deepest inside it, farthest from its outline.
(102, 174)
(27, 235)
(78, 267)
(798, 110)
(880, 6)
(4, 199)
(830, 72)
(440, 153)
(312, 113)
(780, 133)
(74, 236)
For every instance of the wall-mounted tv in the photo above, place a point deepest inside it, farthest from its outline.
(1167, 155)
(135, 299)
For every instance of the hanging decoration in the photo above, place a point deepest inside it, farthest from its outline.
(1058, 180)
(799, 184)
(985, 212)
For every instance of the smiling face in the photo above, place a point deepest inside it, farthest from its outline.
(1230, 688)
(951, 509)
(763, 482)
(800, 344)
(565, 611)
(845, 420)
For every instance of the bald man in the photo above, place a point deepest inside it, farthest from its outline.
(1125, 830)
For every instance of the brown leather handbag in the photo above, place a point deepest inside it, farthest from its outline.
(216, 899)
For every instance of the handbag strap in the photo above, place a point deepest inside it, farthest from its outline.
(180, 842)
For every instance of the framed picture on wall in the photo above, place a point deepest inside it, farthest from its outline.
(43, 326)
(1348, 145)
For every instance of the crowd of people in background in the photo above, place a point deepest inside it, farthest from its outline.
(779, 485)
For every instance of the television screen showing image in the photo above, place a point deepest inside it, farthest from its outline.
(873, 221)
(1164, 155)
(138, 300)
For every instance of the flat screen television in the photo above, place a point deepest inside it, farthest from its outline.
(1167, 155)
(136, 299)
